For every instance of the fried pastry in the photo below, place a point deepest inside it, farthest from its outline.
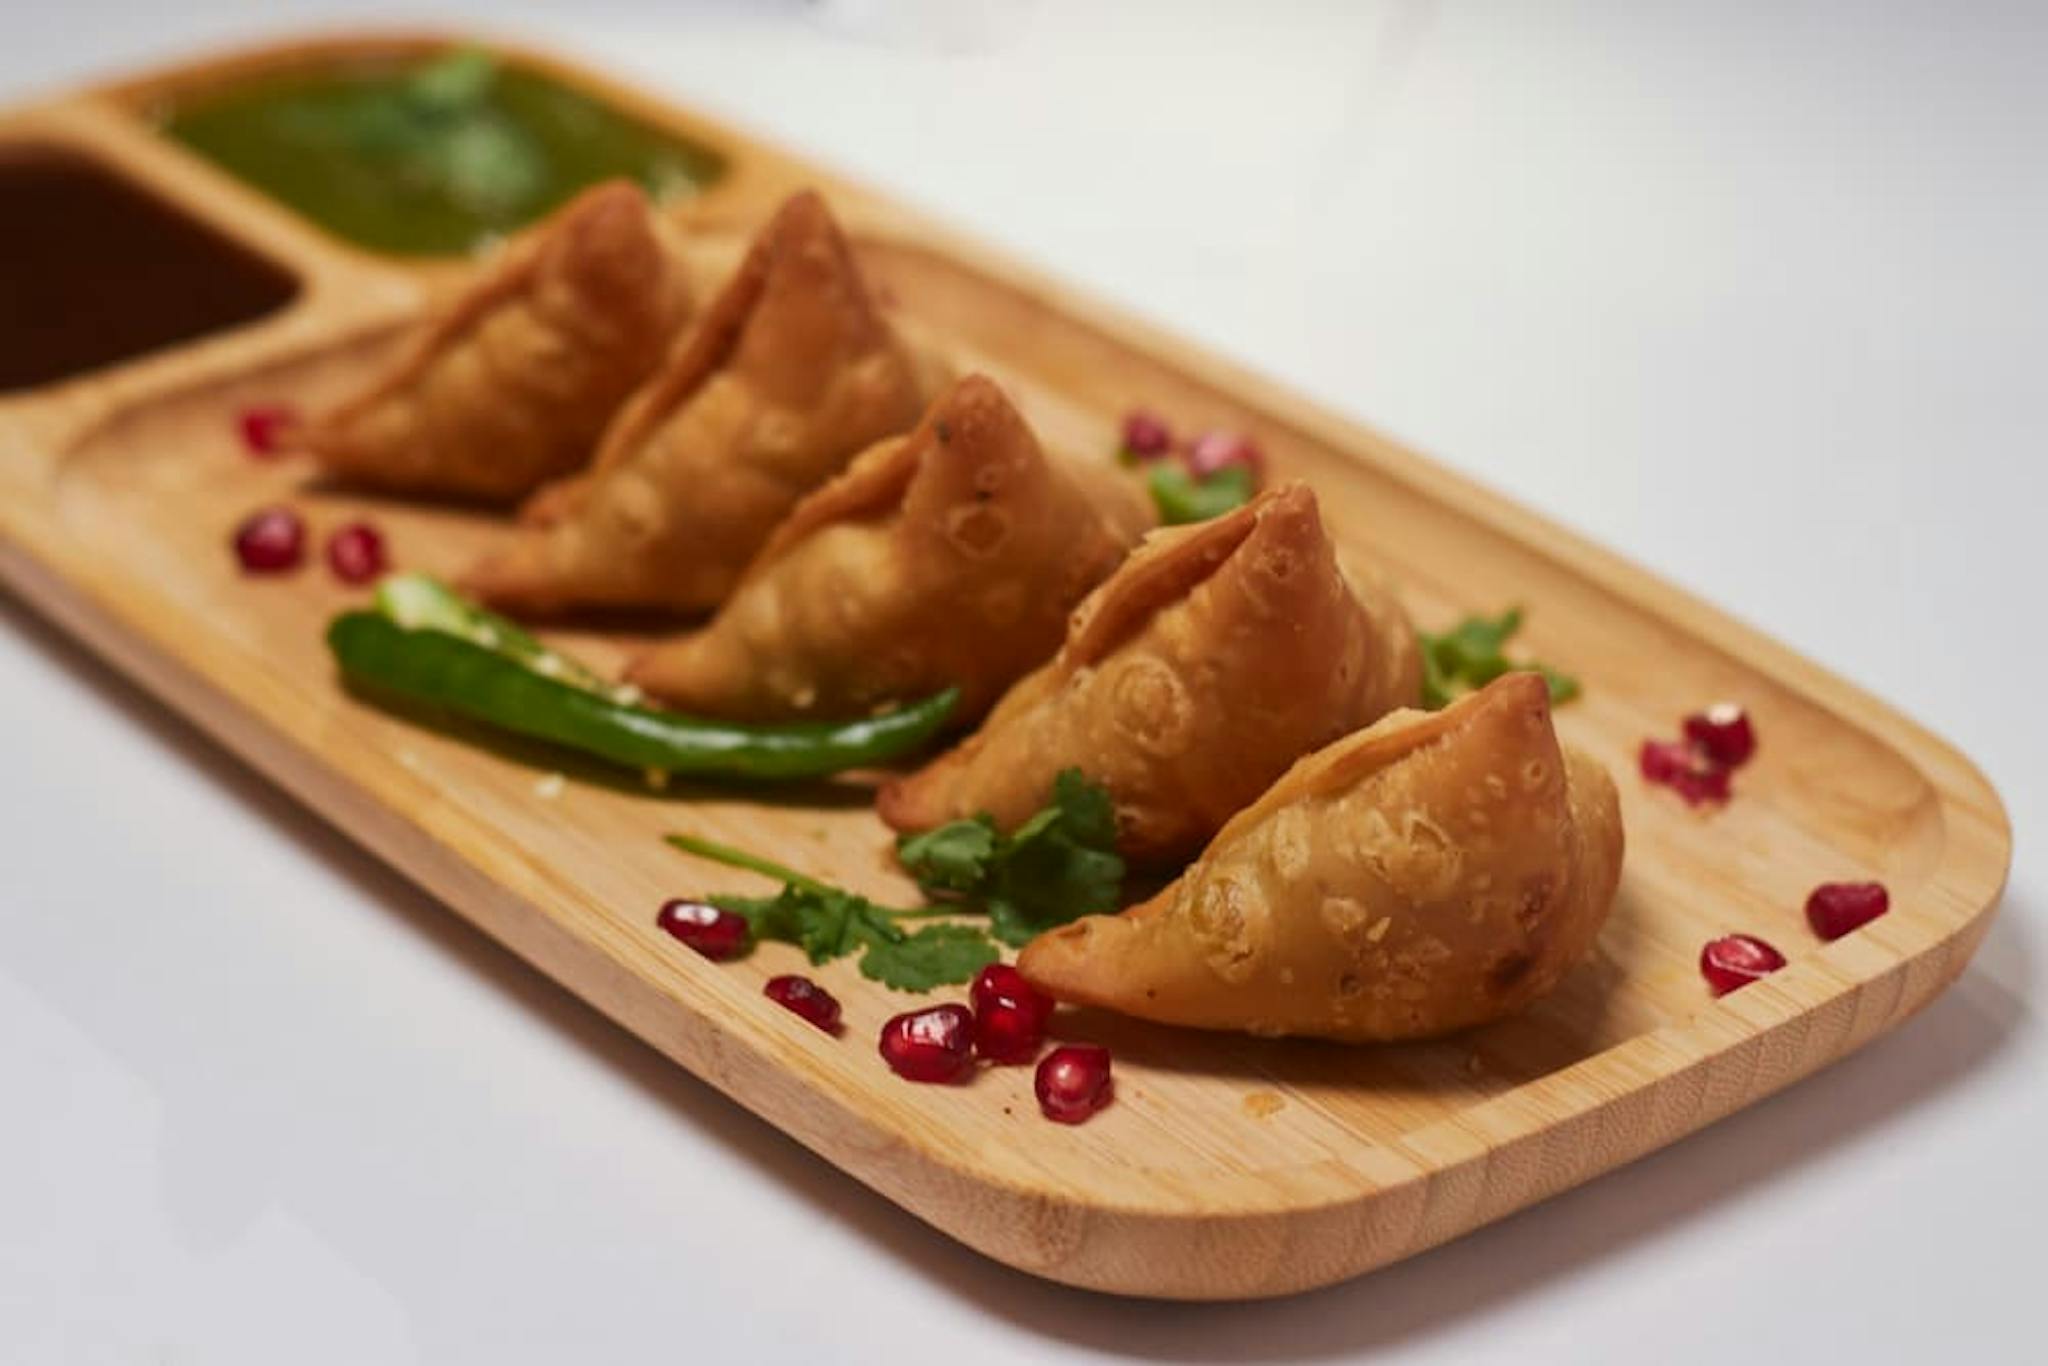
(1216, 656)
(1428, 874)
(787, 376)
(512, 384)
(948, 557)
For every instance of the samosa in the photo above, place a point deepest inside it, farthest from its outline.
(946, 558)
(1216, 656)
(1428, 874)
(789, 374)
(512, 383)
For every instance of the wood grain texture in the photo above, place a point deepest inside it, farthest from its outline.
(1228, 1167)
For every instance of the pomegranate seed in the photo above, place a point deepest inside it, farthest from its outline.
(1835, 908)
(806, 998)
(271, 541)
(1736, 960)
(1146, 435)
(1009, 1015)
(356, 553)
(265, 427)
(1686, 769)
(1074, 1082)
(1214, 452)
(716, 933)
(933, 1044)
(1723, 732)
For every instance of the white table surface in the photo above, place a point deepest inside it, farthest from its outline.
(1752, 292)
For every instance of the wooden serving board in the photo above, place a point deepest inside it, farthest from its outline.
(1228, 1167)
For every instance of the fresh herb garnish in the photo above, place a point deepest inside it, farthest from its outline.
(935, 956)
(829, 922)
(1182, 498)
(1057, 866)
(1474, 653)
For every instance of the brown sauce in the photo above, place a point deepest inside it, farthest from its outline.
(95, 270)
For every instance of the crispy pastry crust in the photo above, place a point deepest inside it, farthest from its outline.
(949, 557)
(512, 384)
(788, 375)
(1212, 659)
(1431, 873)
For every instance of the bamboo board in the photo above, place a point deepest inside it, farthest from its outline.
(1228, 1168)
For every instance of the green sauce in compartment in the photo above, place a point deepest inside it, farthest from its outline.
(429, 157)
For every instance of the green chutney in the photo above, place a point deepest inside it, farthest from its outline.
(433, 157)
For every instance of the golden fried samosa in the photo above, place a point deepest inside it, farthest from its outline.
(787, 376)
(512, 384)
(948, 557)
(1216, 656)
(1431, 873)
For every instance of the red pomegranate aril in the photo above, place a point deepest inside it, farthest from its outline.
(265, 427)
(1686, 769)
(1835, 908)
(1074, 1082)
(356, 553)
(1213, 452)
(935, 1044)
(1010, 1015)
(1661, 760)
(271, 541)
(716, 933)
(1146, 435)
(806, 998)
(1723, 732)
(1000, 983)
(1736, 960)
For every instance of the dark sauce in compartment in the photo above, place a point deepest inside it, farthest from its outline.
(95, 270)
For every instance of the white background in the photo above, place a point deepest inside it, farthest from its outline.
(1753, 292)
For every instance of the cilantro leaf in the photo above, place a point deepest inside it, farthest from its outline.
(1181, 498)
(1011, 923)
(765, 915)
(1085, 808)
(1057, 866)
(824, 922)
(949, 857)
(829, 922)
(935, 956)
(1563, 687)
(1049, 882)
(1473, 653)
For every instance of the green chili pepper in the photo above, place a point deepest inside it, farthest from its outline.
(419, 602)
(450, 671)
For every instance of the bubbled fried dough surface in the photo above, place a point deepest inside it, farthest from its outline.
(1214, 657)
(948, 558)
(1428, 874)
(789, 375)
(513, 382)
